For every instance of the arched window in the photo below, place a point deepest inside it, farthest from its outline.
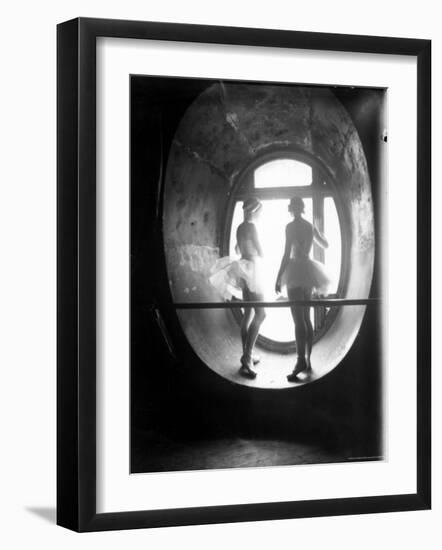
(274, 180)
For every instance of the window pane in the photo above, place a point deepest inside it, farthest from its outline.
(278, 325)
(283, 173)
(332, 231)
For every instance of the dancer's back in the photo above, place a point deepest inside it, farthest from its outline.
(300, 234)
(247, 239)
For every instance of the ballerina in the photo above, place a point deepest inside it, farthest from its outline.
(250, 248)
(244, 275)
(301, 276)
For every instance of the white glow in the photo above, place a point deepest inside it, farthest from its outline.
(283, 173)
(274, 217)
(332, 232)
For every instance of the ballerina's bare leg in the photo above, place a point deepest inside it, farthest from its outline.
(250, 335)
(245, 324)
(301, 331)
(309, 329)
(249, 314)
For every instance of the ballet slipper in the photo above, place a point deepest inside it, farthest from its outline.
(300, 366)
(245, 369)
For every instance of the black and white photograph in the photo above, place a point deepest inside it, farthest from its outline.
(221, 252)
(257, 238)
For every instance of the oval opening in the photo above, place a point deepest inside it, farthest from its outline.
(210, 168)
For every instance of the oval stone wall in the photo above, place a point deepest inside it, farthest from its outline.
(226, 128)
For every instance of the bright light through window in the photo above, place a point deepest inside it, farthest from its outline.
(278, 324)
(333, 234)
(283, 173)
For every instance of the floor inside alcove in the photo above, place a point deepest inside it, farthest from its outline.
(215, 337)
(271, 371)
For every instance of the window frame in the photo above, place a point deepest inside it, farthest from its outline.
(323, 185)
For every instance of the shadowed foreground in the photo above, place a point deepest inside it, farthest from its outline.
(160, 454)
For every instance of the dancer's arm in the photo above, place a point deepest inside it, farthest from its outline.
(319, 237)
(284, 261)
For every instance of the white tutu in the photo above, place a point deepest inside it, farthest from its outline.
(230, 277)
(303, 272)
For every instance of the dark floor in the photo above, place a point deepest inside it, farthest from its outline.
(151, 453)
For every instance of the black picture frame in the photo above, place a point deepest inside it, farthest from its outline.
(76, 273)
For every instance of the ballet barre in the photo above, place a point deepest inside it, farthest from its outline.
(324, 302)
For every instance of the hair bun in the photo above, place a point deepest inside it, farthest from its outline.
(251, 204)
(297, 202)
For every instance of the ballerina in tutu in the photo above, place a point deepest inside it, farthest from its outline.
(244, 275)
(301, 276)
